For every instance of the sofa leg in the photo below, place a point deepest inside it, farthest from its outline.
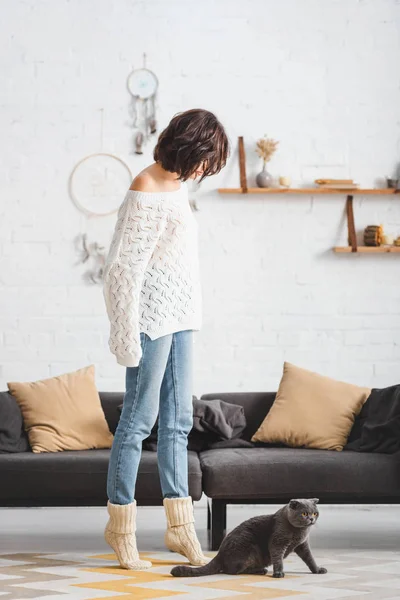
(218, 524)
(208, 516)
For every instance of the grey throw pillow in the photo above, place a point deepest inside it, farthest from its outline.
(13, 437)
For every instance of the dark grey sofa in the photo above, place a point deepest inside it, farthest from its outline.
(273, 475)
(258, 475)
(79, 478)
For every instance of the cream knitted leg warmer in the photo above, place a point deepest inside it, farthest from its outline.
(181, 535)
(120, 535)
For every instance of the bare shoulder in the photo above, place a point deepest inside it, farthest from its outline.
(143, 182)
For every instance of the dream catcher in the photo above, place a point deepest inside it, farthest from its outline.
(143, 85)
(97, 186)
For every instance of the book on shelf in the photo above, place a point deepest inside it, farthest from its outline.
(334, 181)
(339, 187)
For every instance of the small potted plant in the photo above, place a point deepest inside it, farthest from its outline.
(265, 149)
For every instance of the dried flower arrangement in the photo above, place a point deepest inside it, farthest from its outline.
(266, 148)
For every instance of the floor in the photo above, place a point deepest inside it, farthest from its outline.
(56, 553)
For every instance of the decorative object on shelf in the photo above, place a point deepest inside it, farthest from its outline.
(387, 239)
(337, 184)
(264, 178)
(373, 235)
(93, 252)
(285, 181)
(397, 242)
(391, 182)
(143, 85)
(265, 148)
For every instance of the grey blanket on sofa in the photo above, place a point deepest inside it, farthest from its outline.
(216, 424)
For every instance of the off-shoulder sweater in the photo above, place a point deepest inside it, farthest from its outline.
(151, 279)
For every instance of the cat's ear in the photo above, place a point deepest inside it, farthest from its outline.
(294, 504)
(315, 500)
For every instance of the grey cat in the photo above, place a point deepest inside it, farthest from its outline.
(262, 541)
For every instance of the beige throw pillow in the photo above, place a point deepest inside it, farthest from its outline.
(63, 412)
(311, 411)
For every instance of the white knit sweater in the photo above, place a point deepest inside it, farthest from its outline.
(151, 278)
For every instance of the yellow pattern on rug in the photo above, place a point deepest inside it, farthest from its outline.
(134, 585)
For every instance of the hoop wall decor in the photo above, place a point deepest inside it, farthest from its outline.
(94, 185)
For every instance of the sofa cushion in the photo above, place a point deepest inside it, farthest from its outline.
(283, 473)
(73, 478)
(381, 430)
(12, 435)
(361, 419)
(63, 412)
(312, 411)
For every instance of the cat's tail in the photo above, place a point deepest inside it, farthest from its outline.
(210, 568)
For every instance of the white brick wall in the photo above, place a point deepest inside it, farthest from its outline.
(322, 77)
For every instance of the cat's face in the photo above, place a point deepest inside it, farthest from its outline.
(303, 513)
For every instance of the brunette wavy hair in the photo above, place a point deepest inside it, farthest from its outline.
(191, 138)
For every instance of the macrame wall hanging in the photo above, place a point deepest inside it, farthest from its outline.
(96, 185)
(143, 85)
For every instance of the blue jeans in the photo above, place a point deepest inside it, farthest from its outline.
(160, 385)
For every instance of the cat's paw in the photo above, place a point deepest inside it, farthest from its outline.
(278, 574)
(322, 571)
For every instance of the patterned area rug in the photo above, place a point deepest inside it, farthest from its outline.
(351, 575)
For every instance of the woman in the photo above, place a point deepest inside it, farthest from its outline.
(153, 298)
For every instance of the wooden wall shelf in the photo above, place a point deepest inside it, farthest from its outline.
(368, 249)
(349, 193)
(309, 191)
